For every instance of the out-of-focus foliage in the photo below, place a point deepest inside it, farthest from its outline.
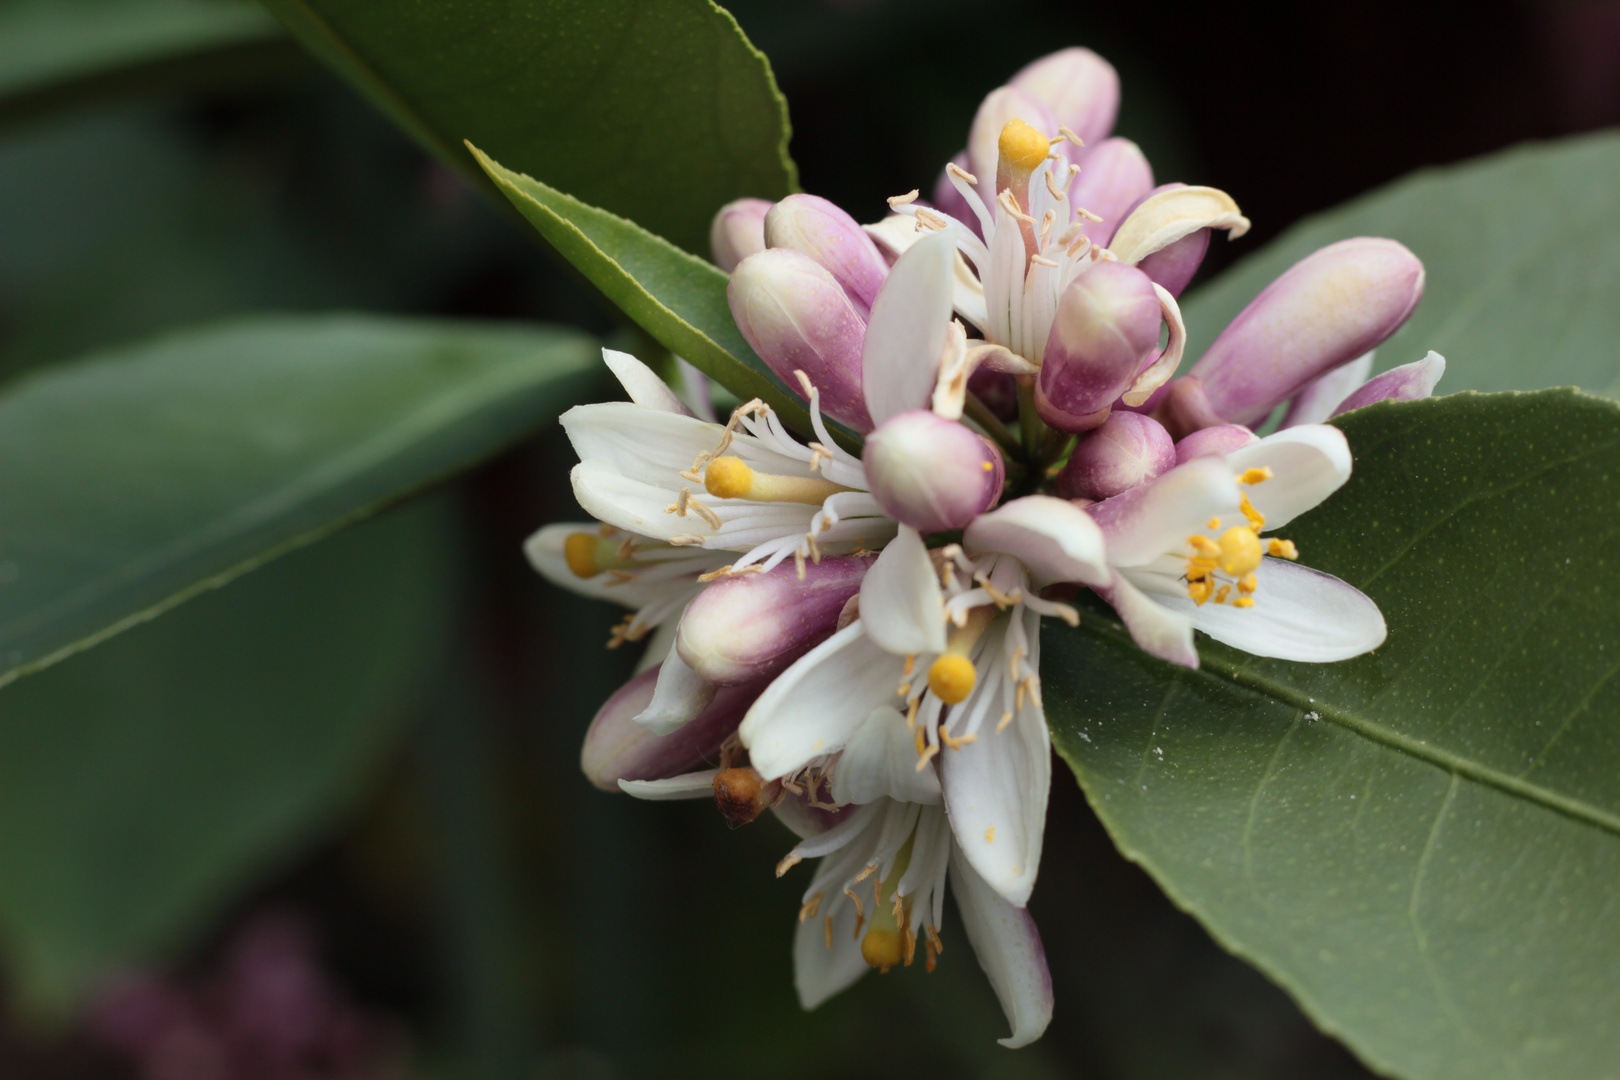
(1523, 267)
(137, 478)
(1421, 843)
(658, 110)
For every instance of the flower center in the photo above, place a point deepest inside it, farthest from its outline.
(731, 478)
(590, 554)
(1215, 568)
(952, 677)
(889, 940)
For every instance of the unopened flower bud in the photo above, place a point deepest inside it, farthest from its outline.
(1185, 408)
(997, 390)
(1409, 382)
(1216, 441)
(797, 317)
(741, 794)
(751, 626)
(738, 231)
(815, 227)
(932, 473)
(1078, 86)
(1116, 175)
(1106, 329)
(617, 748)
(1128, 450)
(1326, 310)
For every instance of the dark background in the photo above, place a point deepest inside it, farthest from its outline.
(486, 909)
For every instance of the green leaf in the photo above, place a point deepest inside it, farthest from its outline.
(659, 110)
(138, 478)
(1422, 844)
(1522, 251)
(59, 52)
(146, 783)
(677, 298)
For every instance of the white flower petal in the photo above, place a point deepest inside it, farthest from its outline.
(811, 708)
(644, 387)
(1298, 614)
(1317, 401)
(692, 785)
(880, 759)
(1308, 462)
(906, 334)
(820, 971)
(896, 233)
(1053, 538)
(1156, 629)
(680, 695)
(659, 645)
(900, 601)
(1155, 519)
(1009, 950)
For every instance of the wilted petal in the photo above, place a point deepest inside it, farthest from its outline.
(1172, 215)
(880, 759)
(1298, 614)
(692, 785)
(1054, 539)
(900, 602)
(1308, 463)
(1409, 382)
(910, 320)
(1008, 947)
(642, 384)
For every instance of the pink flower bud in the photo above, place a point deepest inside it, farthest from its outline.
(1185, 408)
(797, 317)
(1409, 382)
(997, 390)
(1129, 449)
(738, 231)
(617, 748)
(1106, 329)
(1116, 175)
(815, 227)
(1080, 87)
(751, 626)
(1326, 310)
(932, 473)
(1217, 441)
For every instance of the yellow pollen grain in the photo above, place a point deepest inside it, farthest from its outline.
(1247, 584)
(1214, 523)
(1256, 476)
(1240, 550)
(580, 551)
(728, 478)
(1222, 593)
(1200, 591)
(951, 678)
(990, 835)
(1243, 602)
(1022, 147)
(988, 466)
(1204, 547)
(1283, 549)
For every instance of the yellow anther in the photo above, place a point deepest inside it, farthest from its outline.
(1283, 549)
(728, 478)
(1256, 519)
(580, 550)
(1247, 584)
(1256, 476)
(1204, 547)
(1222, 593)
(1214, 523)
(1240, 550)
(1022, 147)
(1200, 591)
(951, 678)
(1243, 601)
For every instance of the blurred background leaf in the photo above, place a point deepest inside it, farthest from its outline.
(657, 110)
(144, 784)
(135, 479)
(1522, 252)
(1422, 843)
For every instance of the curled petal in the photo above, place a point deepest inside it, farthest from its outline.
(644, 387)
(692, 785)
(1170, 215)
(900, 601)
(1009, 949)
(1319, 399)
(1308, 463)
(1299, 614)
(679, 697)
(1159, 372)
(1053, 538)
(1409, 382)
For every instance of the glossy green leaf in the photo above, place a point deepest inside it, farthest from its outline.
(1422, 844)
(659, 110)
(677, 298)
(136, 479)
(146, 783)
(57, 52)
(1522, 251)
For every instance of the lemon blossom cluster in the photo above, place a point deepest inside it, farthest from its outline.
(853, 641)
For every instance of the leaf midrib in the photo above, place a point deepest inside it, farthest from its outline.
(1418, 749)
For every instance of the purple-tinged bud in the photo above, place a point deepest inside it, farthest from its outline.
(1106, 329)
(738, 231)
(1116, 176)
(932, 473)
(998, 390)
(815, 227)
(1185, 409)
(797, 317)
(1128, 450)
(1326, 310)
(1217, 441)
(617, 748)
(1174, 266)
(751, 626)
(1409, 382)
(1080, 87)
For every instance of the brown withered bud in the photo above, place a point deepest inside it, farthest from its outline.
(742, 794)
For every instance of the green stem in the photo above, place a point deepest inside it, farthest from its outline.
(980, 414)
(1030, 425)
